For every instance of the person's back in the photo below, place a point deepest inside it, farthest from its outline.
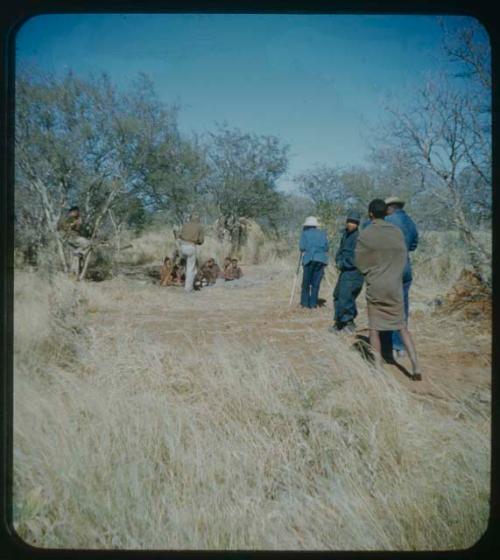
(192, 232)
(381, 256)
(400, 219)
(314, 244)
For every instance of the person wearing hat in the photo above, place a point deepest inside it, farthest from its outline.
(350, 280)
(313, 245)
(397, 216)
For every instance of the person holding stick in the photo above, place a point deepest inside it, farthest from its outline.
(313, 246)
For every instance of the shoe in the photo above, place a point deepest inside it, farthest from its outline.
(417, 376)
(335, 328)
(350, 327)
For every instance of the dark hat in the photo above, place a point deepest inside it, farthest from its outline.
(353, 216)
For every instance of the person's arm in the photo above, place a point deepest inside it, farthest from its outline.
(361, 255)
(414, 239)
(302, 242)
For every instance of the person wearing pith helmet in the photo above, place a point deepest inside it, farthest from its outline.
(350, 280)
(313, 245)
(397, 216)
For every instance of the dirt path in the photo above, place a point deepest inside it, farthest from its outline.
(455, 354)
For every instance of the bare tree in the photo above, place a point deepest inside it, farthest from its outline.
(83, 142)
(436, 133)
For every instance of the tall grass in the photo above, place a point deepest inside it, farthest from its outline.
(156, 243)
(134, 432)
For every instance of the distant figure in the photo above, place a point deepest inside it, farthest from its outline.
(190, 236)
(227, 264)
(381, 257)
(313, 245)
(350, 280)
(233, 271)
(208, 273)
(72, 233)
(397, 216)
(167, 272)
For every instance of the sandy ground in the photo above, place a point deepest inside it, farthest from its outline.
(455, 353)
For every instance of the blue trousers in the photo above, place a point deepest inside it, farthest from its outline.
(311, 279)
(397, 342)
(346, 291)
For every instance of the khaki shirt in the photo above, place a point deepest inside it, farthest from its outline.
(69, 225)
(192, 232)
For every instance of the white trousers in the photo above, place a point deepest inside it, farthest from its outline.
(188, 250)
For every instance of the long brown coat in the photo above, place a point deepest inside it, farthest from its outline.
(381, 256)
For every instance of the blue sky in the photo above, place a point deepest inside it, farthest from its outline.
(316, 81)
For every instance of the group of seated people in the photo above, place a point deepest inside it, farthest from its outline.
(173, 271)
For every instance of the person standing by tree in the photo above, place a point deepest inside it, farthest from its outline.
(190, 236)
(397, 216)
(313, 245)
(72, 231)
(381, 256)
(350, 280)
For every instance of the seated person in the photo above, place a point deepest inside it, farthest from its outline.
(178, 268)
(208, 274)
(233, 271)
(166, 272)
(210, 270)
(226, 265)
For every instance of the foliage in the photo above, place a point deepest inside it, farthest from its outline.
(244, 169)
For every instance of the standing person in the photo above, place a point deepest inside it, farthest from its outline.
(350, 280)
(381, 256)
(191, 235)
(314, 247)
(397, 216)
(72, 230)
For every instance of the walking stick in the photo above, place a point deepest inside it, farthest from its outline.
(295, 279)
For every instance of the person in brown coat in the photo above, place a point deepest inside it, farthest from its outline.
(381, 257)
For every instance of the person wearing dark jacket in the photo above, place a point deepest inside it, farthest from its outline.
(313, 245)
(350, 280)
(397, 216)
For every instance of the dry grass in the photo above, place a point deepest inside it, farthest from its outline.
(153, 245)
(145, 418)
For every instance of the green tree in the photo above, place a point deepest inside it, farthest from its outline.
(244, 169)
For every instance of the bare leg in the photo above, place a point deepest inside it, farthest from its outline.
(410, 348)
(377, 347)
